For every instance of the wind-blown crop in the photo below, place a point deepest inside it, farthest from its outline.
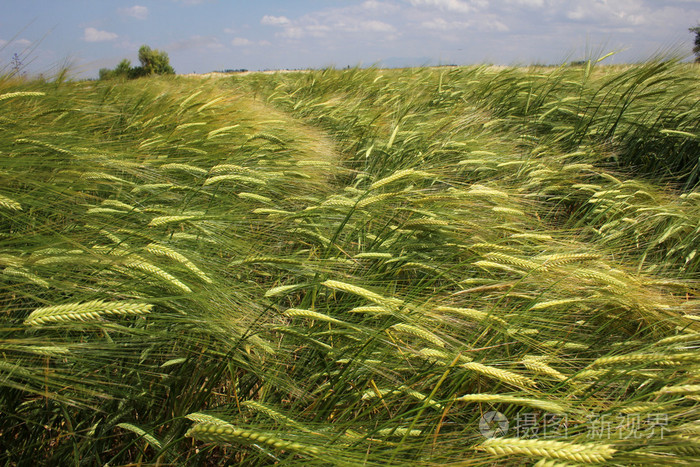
(351, 267)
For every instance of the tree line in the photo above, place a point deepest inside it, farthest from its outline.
(153, 62)
(696, 48)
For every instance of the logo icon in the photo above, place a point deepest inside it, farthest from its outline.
(493, 424)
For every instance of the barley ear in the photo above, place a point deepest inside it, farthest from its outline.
(586, 453)
(84, 311)
(140, 432)
(217, 433)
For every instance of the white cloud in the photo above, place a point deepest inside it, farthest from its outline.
(268, 20)
(376, 26)
(196, 42)
(378, 7)
(529, 3)
(344, 25)
(136, 11)
(371, 4)
(316, 30)
(482, 25)
(95, 35)
(350, 24)
(458, 6)
(625, 12)
(440, 24)
(339, 23)
(492, 25)
(240, 41)
(293, 32)
(459, 31)
(21, 42)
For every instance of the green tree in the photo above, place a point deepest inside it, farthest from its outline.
(106, 73)
(154, 61)
(123, 71)
(696, 48)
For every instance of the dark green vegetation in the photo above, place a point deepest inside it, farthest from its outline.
(351, 267)
(153, 62)
(696, 47)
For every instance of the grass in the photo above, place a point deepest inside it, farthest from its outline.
(351, 267)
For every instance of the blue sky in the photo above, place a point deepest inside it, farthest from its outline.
(208, 35)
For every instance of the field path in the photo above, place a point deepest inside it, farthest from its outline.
(313, 144)
(315, 149)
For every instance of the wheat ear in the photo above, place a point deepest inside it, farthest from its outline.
(281, 289)
(161, 220)
(380, 393)
(371, 309)
(553, 303)
(502, 258)
(275, 415)
(234, 177)
(419, 332)
(364, 293)
(538, 366)
(200, 417)
(679, 338)
(140, 432)
(227, 168)
(162, 250)
(10, 271)
(184, 167)
(219, 131)
(156, 271)
(680, 389)
(547, 406)
(254, 196)
(586, 453)
(84, 311)
(397, 176)
(300, 313)
(10, 95)
(657, 358)
(472, 314)
(400, 431)
(552, 463)
(217, 433)
(119, 204)
(373, 256)
(503, 375)
(642, 408)
(441, 356)
(11, 204)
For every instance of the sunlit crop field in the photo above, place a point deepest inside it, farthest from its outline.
(361, 267)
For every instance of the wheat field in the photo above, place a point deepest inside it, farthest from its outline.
(352, 267)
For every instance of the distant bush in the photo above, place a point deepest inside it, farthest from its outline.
(696, 49)
(153, 62)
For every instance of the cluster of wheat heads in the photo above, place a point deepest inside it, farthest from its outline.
(348, 267)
